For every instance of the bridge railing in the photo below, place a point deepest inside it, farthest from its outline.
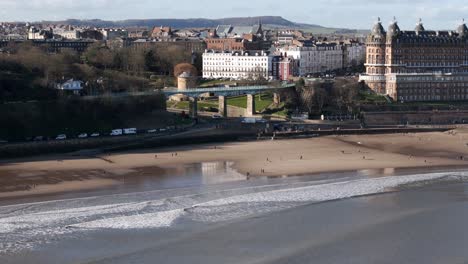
(228, 89)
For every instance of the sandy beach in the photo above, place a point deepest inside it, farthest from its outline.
(61, 173)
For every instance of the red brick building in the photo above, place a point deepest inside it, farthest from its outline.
(161, 32)
(286, 69)
(222, 44)
(235, 38)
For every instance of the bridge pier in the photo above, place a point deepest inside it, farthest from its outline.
(193, 107)
(250, 105)
(222, 105)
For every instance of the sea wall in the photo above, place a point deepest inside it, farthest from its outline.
(416, 117)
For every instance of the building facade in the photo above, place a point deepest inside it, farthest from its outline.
(223, 44)
(286, 69)
(240, 38)
(418, 65)
(67, 32)
(237, 65)
(354, 53)
(39, 34)
(320, 57)
(188, 45)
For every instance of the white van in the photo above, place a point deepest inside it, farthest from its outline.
(249, 120)
(84, 135)
(61, 137)
(130, 131)
(116, 132)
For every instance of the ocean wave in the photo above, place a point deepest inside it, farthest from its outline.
(25, 226)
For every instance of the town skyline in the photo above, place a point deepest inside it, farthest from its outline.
(336, 13)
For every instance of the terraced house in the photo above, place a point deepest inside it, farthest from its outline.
(237, 65)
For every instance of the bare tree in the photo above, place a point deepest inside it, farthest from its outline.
(307, 98)
(321, 98)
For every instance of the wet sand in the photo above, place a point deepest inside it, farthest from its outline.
(59, 173)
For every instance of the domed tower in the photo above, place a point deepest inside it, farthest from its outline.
(419, 27)
(393, 30)
(392, 35)
(376, 49)
(462, 30)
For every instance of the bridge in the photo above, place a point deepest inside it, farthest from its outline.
(223, 92)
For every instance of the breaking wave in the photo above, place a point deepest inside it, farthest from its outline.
(25, 226)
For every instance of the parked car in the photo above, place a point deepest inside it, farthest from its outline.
(152, 131)
(116, 132)
(216, 116)
(61, 137)
(249, 120)
(162, 130)
(130, 131)
(95, 135)
(84, 135)
(39, 138)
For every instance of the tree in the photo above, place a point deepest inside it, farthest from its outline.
(320, 98)
(150, 60)
(307, 98)
(300, 83)
(345, 93)
(185, 67)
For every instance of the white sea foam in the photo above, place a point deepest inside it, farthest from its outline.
(24, 226)
(261, 202)
(326, 192)
(139, 221)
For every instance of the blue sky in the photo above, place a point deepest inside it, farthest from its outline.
(436, 14)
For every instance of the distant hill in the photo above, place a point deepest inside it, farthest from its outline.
(268, 21)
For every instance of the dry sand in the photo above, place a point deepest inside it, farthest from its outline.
(262, 158)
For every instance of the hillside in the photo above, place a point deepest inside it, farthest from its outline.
(268, 21)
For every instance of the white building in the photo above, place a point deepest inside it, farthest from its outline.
(38, 34)
(354, 54)
(112, 34)
(67, 32)
(317, 58)
(237, 65)
(71, 85)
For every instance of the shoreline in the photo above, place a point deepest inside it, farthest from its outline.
(54, 174)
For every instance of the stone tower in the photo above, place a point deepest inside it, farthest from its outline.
(186, 81)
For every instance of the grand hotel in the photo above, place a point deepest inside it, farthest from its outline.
(419, 65)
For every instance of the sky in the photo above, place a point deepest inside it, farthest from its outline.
(356, 14)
